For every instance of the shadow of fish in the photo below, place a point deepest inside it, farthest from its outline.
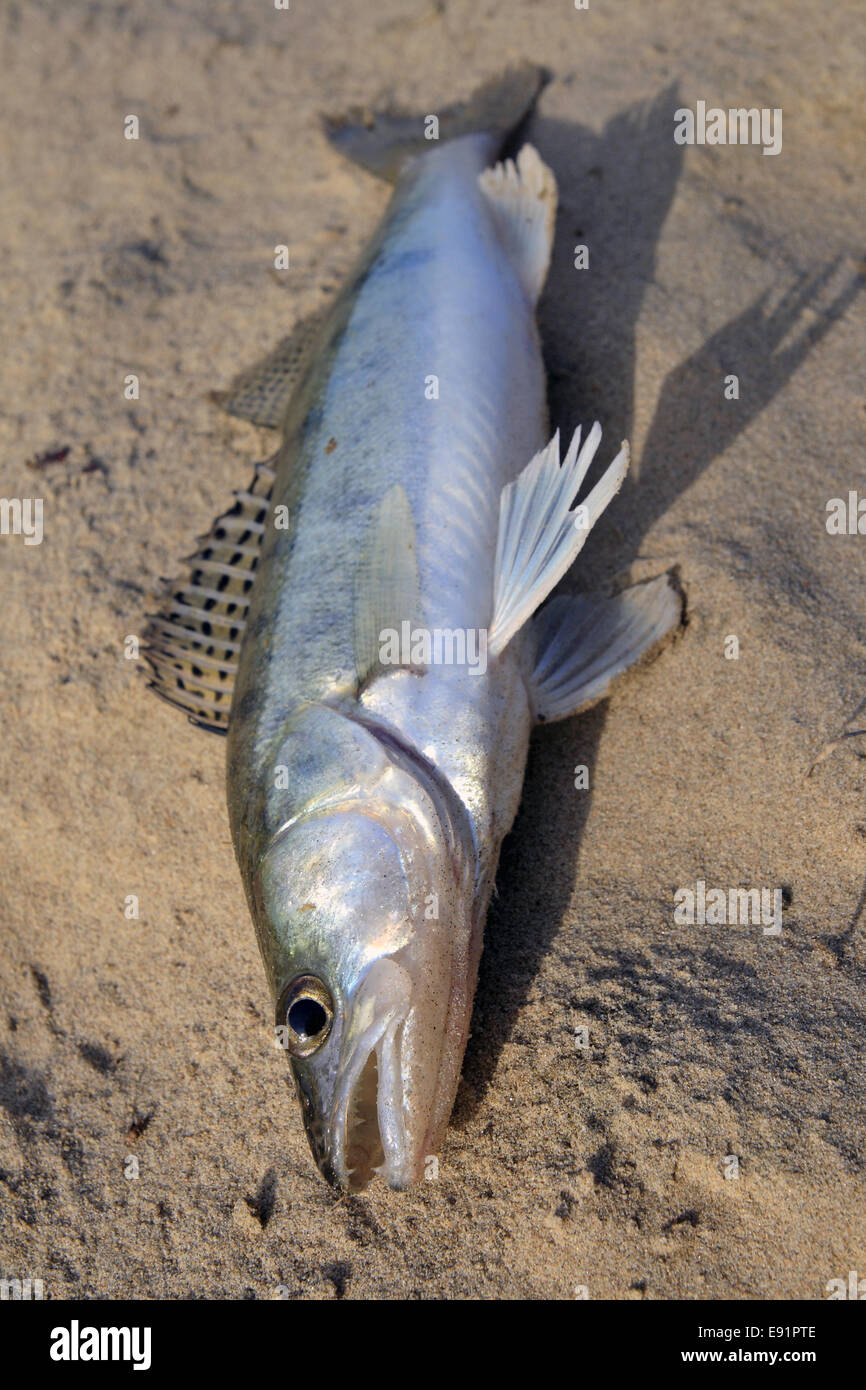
(363, 624)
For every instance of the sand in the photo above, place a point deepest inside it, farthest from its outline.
(144, 1045)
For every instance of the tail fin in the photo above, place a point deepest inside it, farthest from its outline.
(381, 142)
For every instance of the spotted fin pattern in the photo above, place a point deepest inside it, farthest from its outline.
(192, 644)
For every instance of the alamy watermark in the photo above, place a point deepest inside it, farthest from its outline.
(77, 1343)
(719, 907)
(852, 1287)
(846, 518)
(21, 1290)
(22, 516)
(438, 646)
(738, 125)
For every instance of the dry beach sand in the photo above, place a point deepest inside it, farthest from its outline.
(604, 1168)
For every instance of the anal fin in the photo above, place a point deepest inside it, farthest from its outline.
(192, 644)
(583, 642)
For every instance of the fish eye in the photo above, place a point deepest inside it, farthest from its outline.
(306, 1011)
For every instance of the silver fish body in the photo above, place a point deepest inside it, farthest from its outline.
(444, 751)
(371, 781)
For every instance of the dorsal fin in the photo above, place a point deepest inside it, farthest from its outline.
(522, 202)
(192, 644)
(261, 393)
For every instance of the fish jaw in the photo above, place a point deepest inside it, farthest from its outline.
(367, 1131)
(341, 898)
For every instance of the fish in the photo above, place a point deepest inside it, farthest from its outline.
(371, 624)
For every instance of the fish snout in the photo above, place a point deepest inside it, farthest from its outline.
(367, 1133)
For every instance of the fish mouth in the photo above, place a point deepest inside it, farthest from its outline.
(367, 1131)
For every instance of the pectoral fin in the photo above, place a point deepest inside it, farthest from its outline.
(583, 642)
(386, 583)
(539, 534)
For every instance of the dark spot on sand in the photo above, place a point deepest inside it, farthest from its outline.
(685, 1218)
(50, 456)
(98, 1057)
(138, 1124)
(43, 988)
(339, 1272)
(262, 1205)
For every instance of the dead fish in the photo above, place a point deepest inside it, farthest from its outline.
(363, 622)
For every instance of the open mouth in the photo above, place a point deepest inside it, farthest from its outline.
(364, 1153)
(368, 1132)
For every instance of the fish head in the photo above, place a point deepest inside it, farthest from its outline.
(366, 908)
